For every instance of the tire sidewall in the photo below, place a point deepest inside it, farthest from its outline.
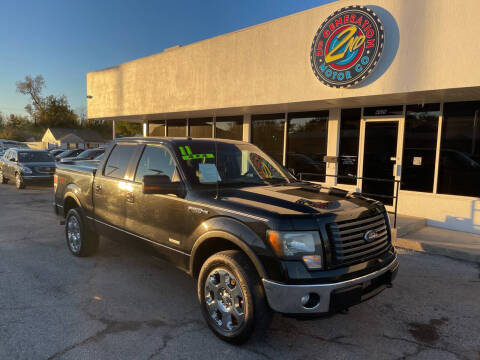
(19, 184)
(241, 334)
(78, 216)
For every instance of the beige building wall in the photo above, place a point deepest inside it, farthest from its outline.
(428, 50)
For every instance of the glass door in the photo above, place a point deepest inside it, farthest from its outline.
(381, 158)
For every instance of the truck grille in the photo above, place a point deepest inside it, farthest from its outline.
(348, 239)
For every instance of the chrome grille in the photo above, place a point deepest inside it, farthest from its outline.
(348, 242)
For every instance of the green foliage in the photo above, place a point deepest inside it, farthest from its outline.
(56, 112)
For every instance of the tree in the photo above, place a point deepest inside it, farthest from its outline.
(32, 87)
(56, 112)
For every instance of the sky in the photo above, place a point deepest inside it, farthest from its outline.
(64, 39)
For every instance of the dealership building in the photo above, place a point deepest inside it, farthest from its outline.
(344, 94)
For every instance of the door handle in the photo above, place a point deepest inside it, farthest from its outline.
(130, 197)
(98, 188)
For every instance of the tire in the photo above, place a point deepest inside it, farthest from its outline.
(19, 183)
(80, 241)
(3, 180)
(229, 286)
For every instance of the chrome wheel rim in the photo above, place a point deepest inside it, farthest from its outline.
(224, 300)
(73, 234)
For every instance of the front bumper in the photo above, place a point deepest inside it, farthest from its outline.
(286, 299)
(37, 179)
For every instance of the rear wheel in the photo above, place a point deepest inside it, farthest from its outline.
(19, 183)
(3, 179)
(232, 297)
(80, 240)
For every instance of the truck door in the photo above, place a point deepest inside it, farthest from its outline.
(110, 187)
(153, 216)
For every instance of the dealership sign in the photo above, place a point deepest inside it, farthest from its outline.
(347, 46)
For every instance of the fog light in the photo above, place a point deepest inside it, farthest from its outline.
(310, 300)
(305, 299)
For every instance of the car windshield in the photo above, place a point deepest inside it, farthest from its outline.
(34, 156)
(231, 164)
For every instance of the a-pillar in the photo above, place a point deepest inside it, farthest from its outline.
(333, 145)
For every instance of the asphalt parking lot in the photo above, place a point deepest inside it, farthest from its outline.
(124, 303)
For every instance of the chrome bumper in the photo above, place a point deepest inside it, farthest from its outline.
(286, 299)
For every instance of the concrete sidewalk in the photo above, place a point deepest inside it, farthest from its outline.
(433, 240)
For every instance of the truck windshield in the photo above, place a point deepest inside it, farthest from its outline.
(230, 164)
(31, 156)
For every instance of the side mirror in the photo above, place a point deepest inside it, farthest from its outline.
(161, 184)
(291, 171)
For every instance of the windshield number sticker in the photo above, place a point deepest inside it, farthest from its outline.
(188, 155)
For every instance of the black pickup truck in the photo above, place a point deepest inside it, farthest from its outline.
(256, 239)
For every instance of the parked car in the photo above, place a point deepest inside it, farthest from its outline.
(26, 167)
(7, 144)
(89, 154)
(55, 152)
(68, 153)
(255, 238)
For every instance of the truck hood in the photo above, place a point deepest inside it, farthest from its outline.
(300, 199)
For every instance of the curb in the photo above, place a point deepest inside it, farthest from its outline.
(428, 248)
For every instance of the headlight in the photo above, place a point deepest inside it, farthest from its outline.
(26, 170)
(304, 245)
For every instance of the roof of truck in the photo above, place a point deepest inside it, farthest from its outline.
(174, 140)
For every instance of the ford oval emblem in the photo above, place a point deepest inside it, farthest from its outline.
(370, 235)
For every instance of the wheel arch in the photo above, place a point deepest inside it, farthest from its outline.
(215, 241)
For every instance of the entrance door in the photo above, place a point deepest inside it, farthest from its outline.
(381, 159)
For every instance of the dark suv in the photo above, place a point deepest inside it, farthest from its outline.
(27, 166)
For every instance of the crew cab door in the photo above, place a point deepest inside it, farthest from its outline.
(153, 216)
(110, 187)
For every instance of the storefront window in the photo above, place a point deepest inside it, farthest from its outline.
(348, 151)
(307, 144)
(201, 127)
(459, 166)
(229, 127)
(268, 133)
(177, 127)
(419, 147)
(156, 128)
(383, 110)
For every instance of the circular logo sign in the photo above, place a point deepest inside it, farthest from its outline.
(347, 46)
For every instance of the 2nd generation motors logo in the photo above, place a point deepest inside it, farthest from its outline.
(347, 46)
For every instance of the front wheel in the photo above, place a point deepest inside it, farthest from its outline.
(19, 183)
(80, 240)
(232, 297)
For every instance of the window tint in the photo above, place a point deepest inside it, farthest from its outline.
(156, 160)
(229, 127)
(201, 128)
(307, 143)
(117, 163)
(157, 128)
(268, 133)
(419, 147)
(348, 150)
(459, 166)
(177, 127)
